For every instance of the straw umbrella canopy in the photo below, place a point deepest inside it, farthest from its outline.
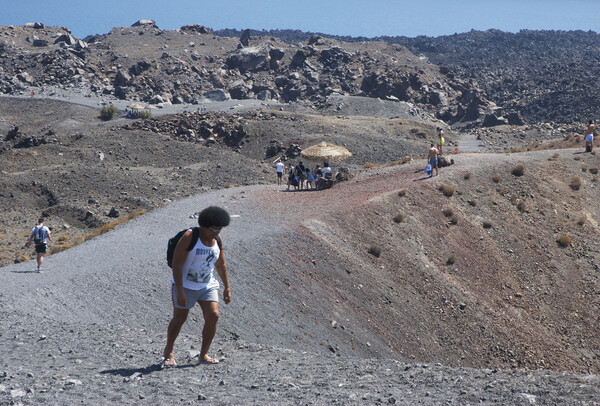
(136, 106)
(325, 151)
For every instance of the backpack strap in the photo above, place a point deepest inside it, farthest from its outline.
(220, 242)
(195, 236)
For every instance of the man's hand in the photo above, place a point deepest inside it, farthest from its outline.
(227, 295)
(181, 299)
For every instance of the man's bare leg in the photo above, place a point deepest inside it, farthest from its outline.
(179, 318)
(40, 260)
(210, 311)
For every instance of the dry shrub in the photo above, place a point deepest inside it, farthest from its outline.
(577, 158)
(133, 215)
(446, 190)
(375, 251)
(97, 232)
(467, 176)
(564, 240)
(518, 170)
(451, 259)
(556, 155)
(581, 220)
(521, 205)
(62, 238)
(448, 212)
(402, 193)
(594, 178)
(514, 199)
(21, 258)
(399, 218)
(454, 220)
(575, 183)
(594, 171)
(496, 178)
(230, 185)
(584, 168)
(473, 202)
(403, 161)
(370, 165)
(56, 249)
(487, 224)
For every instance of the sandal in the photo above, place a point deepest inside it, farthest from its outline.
(167, 362)
(209, 360)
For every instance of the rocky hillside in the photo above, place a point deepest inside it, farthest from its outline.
(544, 75)
(188, 65)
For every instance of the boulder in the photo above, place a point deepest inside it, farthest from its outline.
(443, 161)
(140, 23)
(122, 79)
(293, 151)
(40, 43)
(514, 118)
(37, 26)
(264, 95)
(298, 58)
(25, 77)
(139, 67)
(157, 99)
(245, 38)
(216, 95)
(274, 148)
(250, 59)
(325, 184)
(492, 118)
(343, 175)
(199, 29)
(67, 39)
(241, 90)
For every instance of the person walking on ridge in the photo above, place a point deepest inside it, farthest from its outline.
(433, 160)
(194, 282)
(441, 141)
(40, 235)
(280, 167)
(589, 136)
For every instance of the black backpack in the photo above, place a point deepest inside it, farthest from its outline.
(172, 243)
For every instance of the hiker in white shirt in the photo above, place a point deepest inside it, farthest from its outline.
(40, 235)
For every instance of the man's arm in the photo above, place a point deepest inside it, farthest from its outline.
(29, 239)
(222, 270)
(179, 257)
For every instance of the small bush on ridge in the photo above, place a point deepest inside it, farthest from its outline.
(518, 170)
(564, 240)
(375, 251)
(108, 112)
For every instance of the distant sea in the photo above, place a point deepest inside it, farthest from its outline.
(338, 17)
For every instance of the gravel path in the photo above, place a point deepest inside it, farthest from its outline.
(91, 328)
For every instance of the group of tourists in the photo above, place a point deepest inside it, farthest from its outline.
(301, 177)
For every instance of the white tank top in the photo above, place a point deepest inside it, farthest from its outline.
(199, 267)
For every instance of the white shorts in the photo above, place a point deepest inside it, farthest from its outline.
(589, 138)
(193, 296)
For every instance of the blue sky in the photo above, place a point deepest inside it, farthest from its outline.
(341, 17)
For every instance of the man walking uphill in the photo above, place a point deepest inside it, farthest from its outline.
(197, 254)
(40, 235)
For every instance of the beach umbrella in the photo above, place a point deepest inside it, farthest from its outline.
(325, 151)
(136, 106)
